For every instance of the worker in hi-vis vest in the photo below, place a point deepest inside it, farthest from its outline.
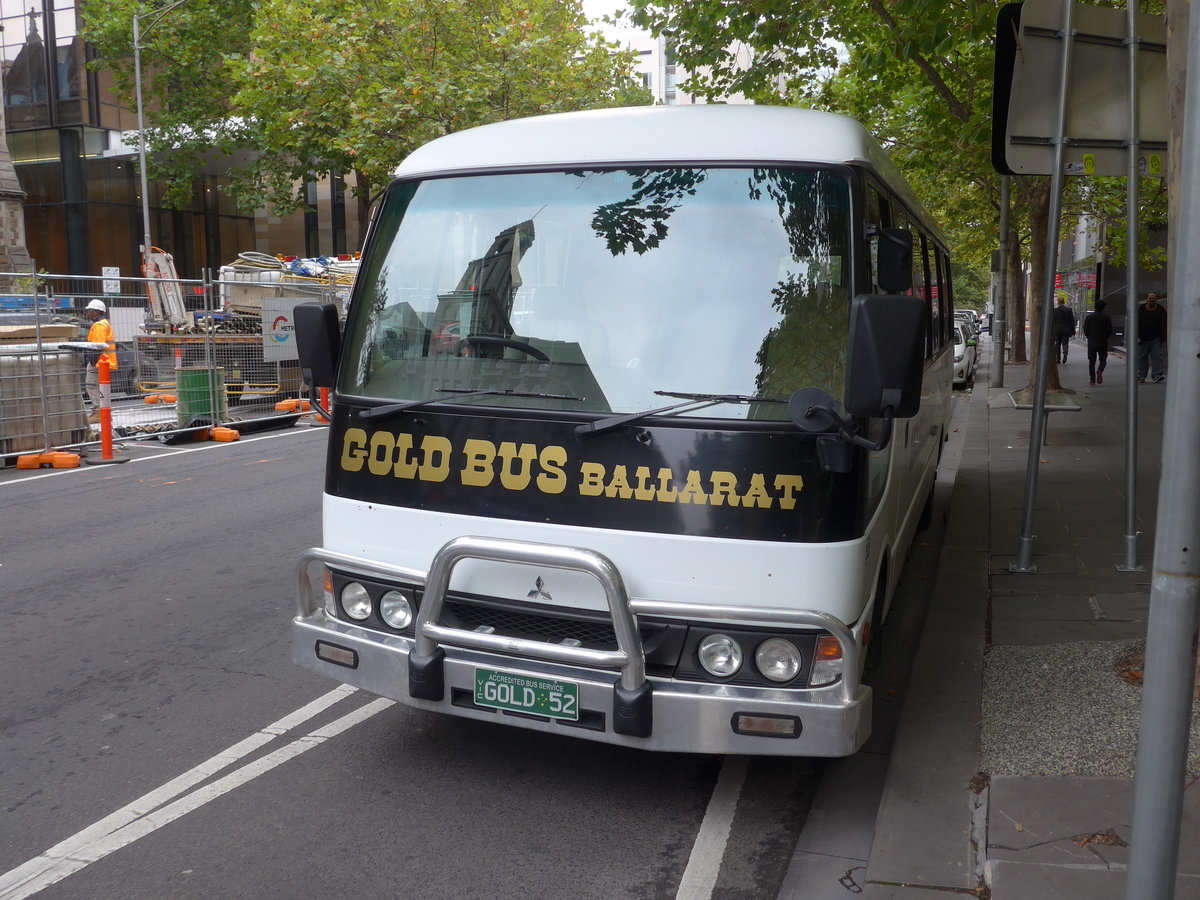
(100, 333)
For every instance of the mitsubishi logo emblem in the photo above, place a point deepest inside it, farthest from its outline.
(539, 591)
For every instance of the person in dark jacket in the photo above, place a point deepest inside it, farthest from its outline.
(1097, 328)
(1064, 327)
(1152, 340)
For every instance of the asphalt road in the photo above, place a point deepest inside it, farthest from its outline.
(157, 741)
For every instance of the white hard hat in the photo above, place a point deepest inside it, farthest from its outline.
(97, 305)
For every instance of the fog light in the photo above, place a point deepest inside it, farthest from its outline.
(767, 726)
(342, 656)
(720, 655)
(827, 664)
(356, 601)
(396, 609)
(777, 659)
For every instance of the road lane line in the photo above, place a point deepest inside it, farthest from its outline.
(19, 877)
(700, 876)
(166, 453)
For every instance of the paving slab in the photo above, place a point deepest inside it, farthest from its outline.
(1081, 822)
(1055, 618)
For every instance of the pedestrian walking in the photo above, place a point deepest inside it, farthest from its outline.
(1152, 340)
(1097, 328)
(1064, 327)
(100, 333)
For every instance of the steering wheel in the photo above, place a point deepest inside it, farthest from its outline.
(493, 340)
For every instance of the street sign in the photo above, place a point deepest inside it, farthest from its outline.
(1028, 77)
(278, 330)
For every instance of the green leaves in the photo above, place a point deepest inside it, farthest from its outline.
(312, 89)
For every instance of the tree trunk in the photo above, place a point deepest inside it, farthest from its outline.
(362, 190)
(1016, 302)
(1040, 256)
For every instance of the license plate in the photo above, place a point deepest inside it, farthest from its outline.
(525, 694)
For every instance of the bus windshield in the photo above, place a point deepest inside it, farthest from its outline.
(601, 290)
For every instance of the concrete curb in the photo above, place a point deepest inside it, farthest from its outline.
(927, 828)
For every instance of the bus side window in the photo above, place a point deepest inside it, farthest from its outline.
(878, 216)
(947, 300)
(932, 293)
(921, 284)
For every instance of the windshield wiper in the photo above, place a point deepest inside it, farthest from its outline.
(690, 401)
(391, 409)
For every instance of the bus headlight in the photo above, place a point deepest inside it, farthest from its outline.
(356, 601)
(777, 659)
(720, 655)
(396, 609)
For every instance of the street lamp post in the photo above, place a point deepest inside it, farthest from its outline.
(156, 15)
(137, 75)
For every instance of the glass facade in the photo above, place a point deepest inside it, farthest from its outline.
(70, 139)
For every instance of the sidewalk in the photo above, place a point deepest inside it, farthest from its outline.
(1011, 770)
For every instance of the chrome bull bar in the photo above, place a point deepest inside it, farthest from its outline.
(632, 693)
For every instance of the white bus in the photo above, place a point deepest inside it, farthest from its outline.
(634, 416)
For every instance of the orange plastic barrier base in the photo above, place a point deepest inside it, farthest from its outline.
(293, 406)
(57, 459)
(225, 434)
(161, 398)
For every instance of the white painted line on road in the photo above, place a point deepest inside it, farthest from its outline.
(138, 459)
(700, 876)
(148, 813)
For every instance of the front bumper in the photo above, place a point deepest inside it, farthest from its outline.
(619, 703)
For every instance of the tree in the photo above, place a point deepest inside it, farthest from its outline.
(185, 78)
(312, 89)
(358, 89)
(917, 73)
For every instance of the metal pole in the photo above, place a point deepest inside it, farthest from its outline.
(141, 118)
(1175, 584)
(1131, 330)
(43, 387)
(1037, 423)
(1000, 311)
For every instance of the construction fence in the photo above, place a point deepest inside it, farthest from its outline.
(190, 354)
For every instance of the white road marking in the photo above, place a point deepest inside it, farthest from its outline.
(148, 813)
(700, 876)
(84, 467)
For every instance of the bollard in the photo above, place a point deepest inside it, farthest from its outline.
(320, 419)
(106, 445)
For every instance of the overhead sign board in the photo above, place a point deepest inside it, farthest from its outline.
(1028, 75)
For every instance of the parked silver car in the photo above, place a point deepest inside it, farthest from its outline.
(966, 355)
(969, 318)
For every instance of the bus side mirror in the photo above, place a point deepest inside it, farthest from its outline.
(884, 362)
(894, 260)
(318, 337)
(886, 355)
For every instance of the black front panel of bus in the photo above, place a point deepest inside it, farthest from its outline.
(729, 483)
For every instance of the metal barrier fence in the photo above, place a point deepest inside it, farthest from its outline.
(230, 360)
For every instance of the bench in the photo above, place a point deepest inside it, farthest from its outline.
(1053, 404)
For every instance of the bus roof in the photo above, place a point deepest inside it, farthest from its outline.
(653, 135)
